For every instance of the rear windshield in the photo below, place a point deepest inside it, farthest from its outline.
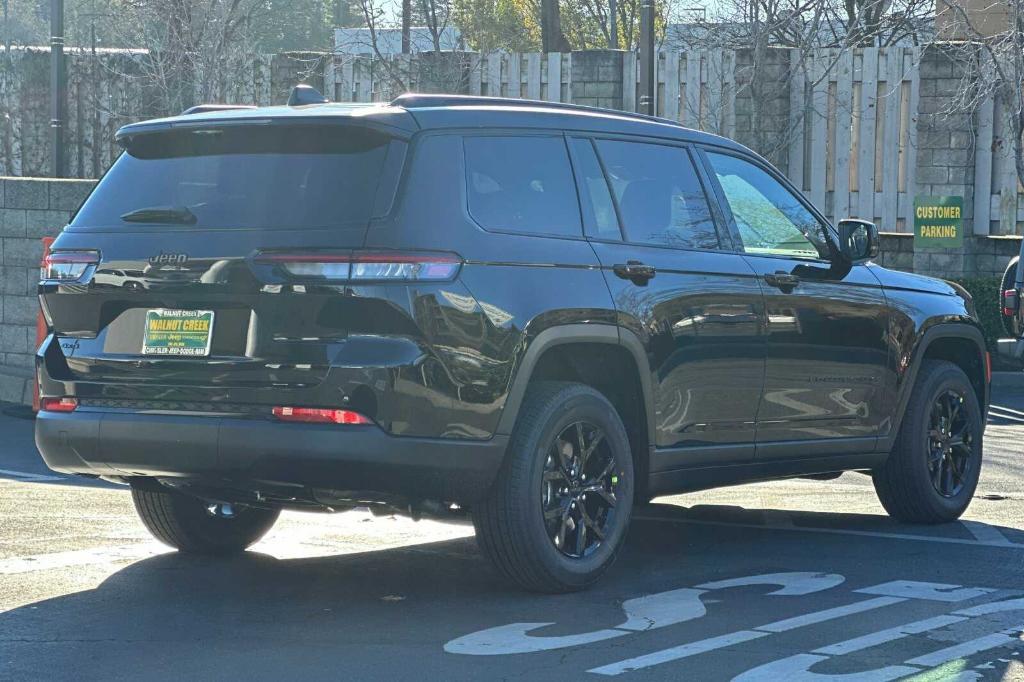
(259, 177)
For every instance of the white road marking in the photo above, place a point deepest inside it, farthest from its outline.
(889, 635)
(829, 614)
(1006, 409)
(792, 584)
(969, 648)
(928, 591)
(987, 534)
(798, 669)
(644, 613)
(720, 642)
(894, 592)
(678, 652)
(836, 531)
(21, 475)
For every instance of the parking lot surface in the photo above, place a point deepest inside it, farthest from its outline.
(794, 580)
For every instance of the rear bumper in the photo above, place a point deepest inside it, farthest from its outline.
(247, 452)
(1010, 348)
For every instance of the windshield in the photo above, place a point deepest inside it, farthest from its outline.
(269, 177)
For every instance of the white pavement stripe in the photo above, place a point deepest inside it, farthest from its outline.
(829, 614)
(79, 557)
(678, 652)
(889, 635)
(987, 534)
(722, 641)
(835, 531)
(969, 648)
(1006, 409)
(29, 477)
(1004, 415)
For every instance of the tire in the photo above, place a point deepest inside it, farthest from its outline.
(183, 522)
(1009, 275)
(905, 484)
(541, 472)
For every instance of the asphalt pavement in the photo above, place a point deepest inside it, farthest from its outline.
(794, 580)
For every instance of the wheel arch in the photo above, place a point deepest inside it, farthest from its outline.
(573, 344)
(957, 342)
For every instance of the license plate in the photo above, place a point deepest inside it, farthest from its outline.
(178, 332)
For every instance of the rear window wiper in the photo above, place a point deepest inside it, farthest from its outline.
(160, 214)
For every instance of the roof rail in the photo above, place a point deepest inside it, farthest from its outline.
(206, 108)
(413, 100)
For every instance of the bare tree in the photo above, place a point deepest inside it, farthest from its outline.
(197, 47)
(990, 50)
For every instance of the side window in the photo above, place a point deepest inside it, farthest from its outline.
(522, 184)
(770, 219)
(594, 192)
(660, 197)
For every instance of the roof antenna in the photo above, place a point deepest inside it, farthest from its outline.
(305, 94)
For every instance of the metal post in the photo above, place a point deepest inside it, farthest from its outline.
(613, 24)
(647, 85)
(58, 87)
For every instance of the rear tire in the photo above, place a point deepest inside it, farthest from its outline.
(185, 522)
(933, 469)
(556, 517)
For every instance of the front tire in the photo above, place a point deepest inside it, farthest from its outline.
(192, 525)
(933, 470)
(556, 517)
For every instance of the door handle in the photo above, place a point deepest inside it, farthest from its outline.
(634, 271)
(782, 280)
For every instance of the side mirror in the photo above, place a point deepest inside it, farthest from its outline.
(858, 239)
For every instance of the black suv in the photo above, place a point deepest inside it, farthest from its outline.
(537, 314)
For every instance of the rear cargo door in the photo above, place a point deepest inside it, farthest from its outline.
(166, 278)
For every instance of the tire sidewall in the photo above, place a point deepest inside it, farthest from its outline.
(578, 404)
(948, 378)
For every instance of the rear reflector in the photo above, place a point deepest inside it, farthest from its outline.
(58, 404)
(365, 266)
(67, 266)
(315, 415)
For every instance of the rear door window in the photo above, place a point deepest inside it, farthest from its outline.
(262, 177)
(522, 184)
(659, 195)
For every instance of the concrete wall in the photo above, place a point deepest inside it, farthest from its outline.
(30, 209)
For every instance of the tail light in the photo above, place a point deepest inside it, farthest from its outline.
(58, 404)
(365, 266)
(317, 415)
(67, 266)
(1010, 302)
(988, 367)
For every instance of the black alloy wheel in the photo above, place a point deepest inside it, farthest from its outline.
(578, 495)
(950, 444)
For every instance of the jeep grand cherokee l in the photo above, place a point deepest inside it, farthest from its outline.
(534, 313)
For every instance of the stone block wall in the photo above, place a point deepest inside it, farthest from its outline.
(30, 208)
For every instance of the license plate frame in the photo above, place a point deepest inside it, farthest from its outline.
(173, 332)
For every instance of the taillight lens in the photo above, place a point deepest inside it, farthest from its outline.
(58, 404)
(1009, 302)
(318, 415)
(365, 266)
(67, 266)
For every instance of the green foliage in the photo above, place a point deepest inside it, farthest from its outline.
(985, 292)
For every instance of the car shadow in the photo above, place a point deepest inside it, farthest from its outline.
(365, 615)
